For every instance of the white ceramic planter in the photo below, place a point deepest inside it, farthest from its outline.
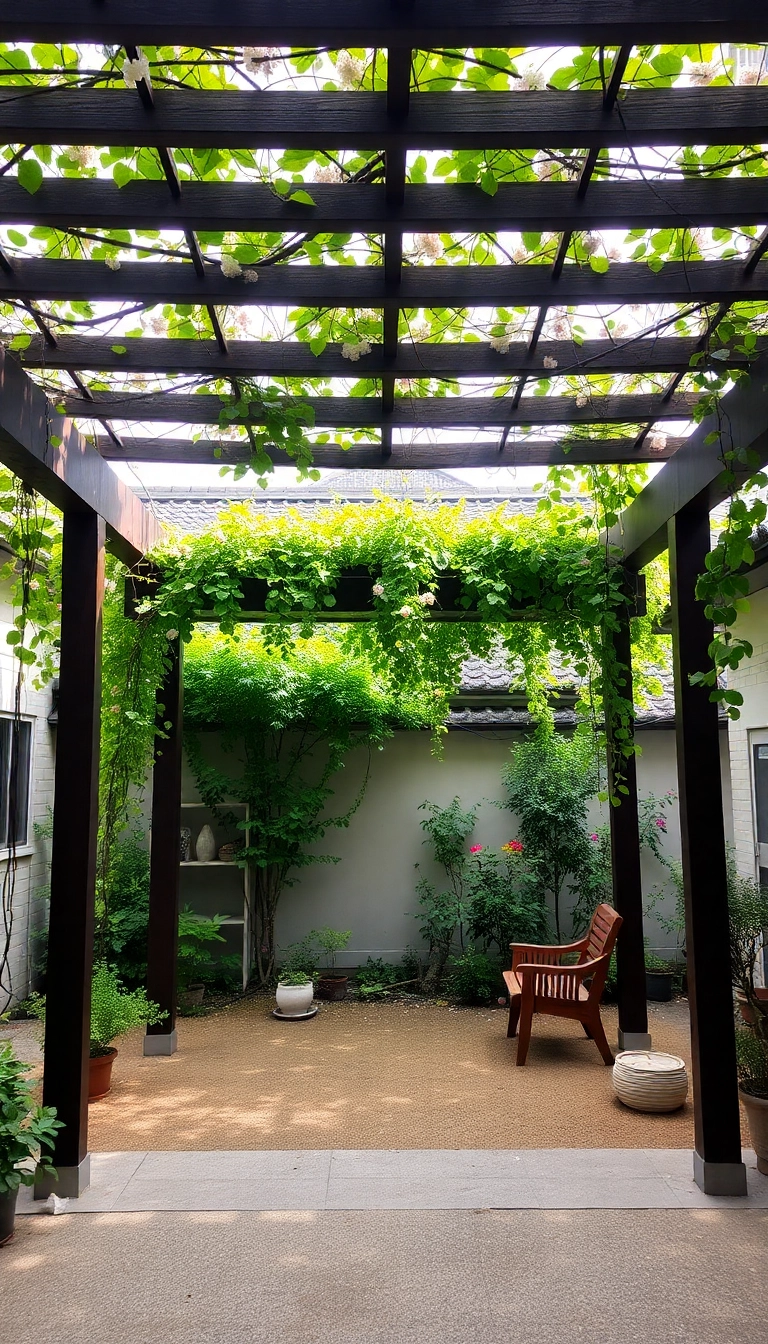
(205, 845)
(649, 1080)
(293, 1000)
(757, 1114)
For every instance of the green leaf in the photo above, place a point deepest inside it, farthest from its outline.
(599, 264)
(303, 198)
(30, 175)
(21, 341)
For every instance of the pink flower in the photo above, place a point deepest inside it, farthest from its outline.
(661, 823)
(594, 837)
(512, 847)
(475, 849)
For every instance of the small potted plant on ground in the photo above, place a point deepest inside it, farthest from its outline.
(659, 976)
(26, 1131)
(295, 986)
(196, 934)
(114, 1011)
(752, 1056)
(331, 941)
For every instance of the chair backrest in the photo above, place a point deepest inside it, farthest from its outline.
(603, 932)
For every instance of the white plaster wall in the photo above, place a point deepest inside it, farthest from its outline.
(751, 679)
(32, 874)
(372, 890)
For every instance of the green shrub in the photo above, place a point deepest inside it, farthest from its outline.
(26, 1130)
(196, 935)
(505, 903)
(752, 1060)
(474, 978)
(115, 1011)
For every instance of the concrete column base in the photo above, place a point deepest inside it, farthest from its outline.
(719, 1178)
(72, 1181)
(164, 1043)
(634, 1040)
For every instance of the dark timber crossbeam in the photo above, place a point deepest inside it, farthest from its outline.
(696, 470)
(273, 119)
(411, 456)
(408, 412)
(364, 286)
(379, 23)
(460, 359)
(366, 207)
(71, 474)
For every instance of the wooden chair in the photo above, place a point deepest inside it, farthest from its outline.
(540, 983)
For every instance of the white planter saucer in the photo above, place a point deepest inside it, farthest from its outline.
(296, 1017)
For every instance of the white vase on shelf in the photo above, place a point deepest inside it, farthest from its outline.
(205, 845)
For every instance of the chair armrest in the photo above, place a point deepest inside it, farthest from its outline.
(521, 950)
(579, 971)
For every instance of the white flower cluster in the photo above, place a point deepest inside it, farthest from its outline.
(582, 400)
(378, 590)
(353, 351)
(83, 155)
(230, 268)
(260, 60)
(427, 599)
(500, 343)
(702, 73)
(349, 70)
(751, 77)
(561, 329)
(328, 172)
(428, 245)
(405, 611)
(591, 242)
(531, 79)
(420, 332)
(544, 168)
(658, 442)
(136, 70)
(113, 263)
(250, 276)
(171, 634)
(157, 325)
(549, 362)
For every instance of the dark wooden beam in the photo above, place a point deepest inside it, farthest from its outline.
(276, 119)
(459, 359)
(164, 859)
(364, 286)
(718, 1167)
(697, 470)
(73, 854)
(625, 864)
(378, 23)
(408, 412)
(365, 208)
(70, 473)
(428, 456)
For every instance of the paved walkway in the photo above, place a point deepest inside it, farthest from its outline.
(660, 1276)
(559, 1178)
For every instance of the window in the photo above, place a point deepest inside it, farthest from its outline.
(15, 762)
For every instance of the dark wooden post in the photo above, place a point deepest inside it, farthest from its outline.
(73, 856)
(625, 869)
(164, 860)
(718, 1167)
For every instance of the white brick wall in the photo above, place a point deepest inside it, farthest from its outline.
(752, 680)
(32, 873)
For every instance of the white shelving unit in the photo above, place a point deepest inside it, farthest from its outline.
(231, 920)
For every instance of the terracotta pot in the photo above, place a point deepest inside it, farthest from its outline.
(658, 986)
(100, 1074)
(332, 987)
(294, 1000)
(7, 1215)
(744, 1006)
(757, 1114)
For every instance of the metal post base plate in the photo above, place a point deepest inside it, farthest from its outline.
(72, 1181)
(162, 1044)
(634, 1040)
(720, 1178)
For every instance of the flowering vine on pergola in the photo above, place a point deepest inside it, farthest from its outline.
(393, 234)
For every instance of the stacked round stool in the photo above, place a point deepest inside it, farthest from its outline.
(649, 1080)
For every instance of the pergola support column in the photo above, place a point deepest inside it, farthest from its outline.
(718, 1168)
(625, 867)
(73, 858)
(164, 860)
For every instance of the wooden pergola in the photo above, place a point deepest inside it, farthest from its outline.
(604, 427)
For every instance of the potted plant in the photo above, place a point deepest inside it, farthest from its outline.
(331, 941)
(196, 933)
(752, 1057)
(26, 1131)
(114, 1011)
(748, 924)
(659, 976)
(294, 994)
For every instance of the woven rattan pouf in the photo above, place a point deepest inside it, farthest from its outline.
(649, 1080)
